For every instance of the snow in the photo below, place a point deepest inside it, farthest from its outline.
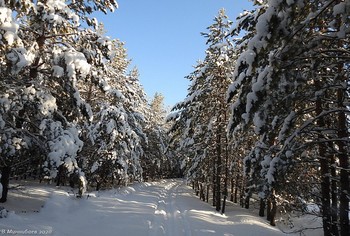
(167, 207)
(17, 58)
(76, 61)
(53, 11)
(57, 71)
(111, 125)
(290, 2)
(288, 120)
(172, 116)
(2, 124)
(48, 104)
(7, 25)
(339, 8)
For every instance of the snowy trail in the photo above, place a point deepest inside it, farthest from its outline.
(169, 219)
(164, 208)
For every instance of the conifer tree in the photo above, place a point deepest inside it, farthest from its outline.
(287, 83)
(203, 113)
(42, 62)
(156, 160)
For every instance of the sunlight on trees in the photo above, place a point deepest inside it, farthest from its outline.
(288, 135)
(266, 120)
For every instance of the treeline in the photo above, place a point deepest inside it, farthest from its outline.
(267, 112)
(70, 110)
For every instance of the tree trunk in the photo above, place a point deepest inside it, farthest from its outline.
(218, 190)
(247, 201)
(5, 180)
(201, 192)
(208, 189)
(214, 181)
(334, 196)
(236, 188)
(262, 207)
(272, 208)
(98, 185)
(60, 174)
(344, 168)
(325, 196)
(325, 174)
(268, 209)
(241, 194)
(232, 190)
(218, 173)
(226, 178)
(224, 204)
(273, 211)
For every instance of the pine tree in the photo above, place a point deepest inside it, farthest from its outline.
(203, 113)
(156, 161)
(116, 134)
(285, 82)
(42, 62)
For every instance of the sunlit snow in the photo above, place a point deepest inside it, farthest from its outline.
(167, 207)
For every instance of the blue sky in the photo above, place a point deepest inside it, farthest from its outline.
(163, 38)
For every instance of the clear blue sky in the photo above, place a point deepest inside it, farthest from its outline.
(163, 38)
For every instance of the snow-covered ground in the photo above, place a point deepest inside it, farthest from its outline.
(167, 207)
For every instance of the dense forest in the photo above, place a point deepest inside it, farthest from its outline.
(71, 110)
(267, 113)
(266, 118)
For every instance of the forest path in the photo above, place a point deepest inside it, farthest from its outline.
(163, 208)
(170, 214)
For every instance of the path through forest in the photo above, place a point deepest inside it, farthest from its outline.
(167, 207)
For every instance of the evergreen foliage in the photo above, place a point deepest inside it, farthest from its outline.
(266, 116)
(288, 121)
(69, 108)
